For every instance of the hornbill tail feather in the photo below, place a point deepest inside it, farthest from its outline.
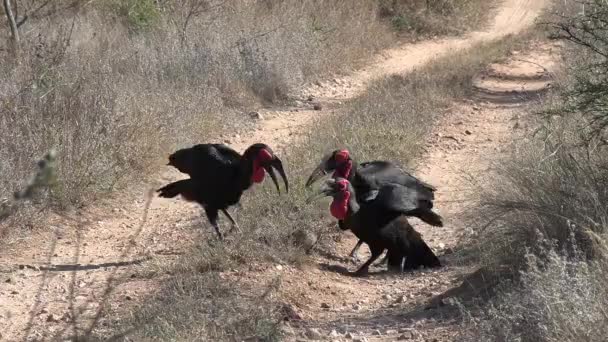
(171, 190)
(420, 254)
(431, 218)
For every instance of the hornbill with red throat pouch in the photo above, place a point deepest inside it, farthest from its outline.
(381, 223)
(219, 175)
(368, 177)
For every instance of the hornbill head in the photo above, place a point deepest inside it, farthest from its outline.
(338, 161)
(340, 190)
(265, 161)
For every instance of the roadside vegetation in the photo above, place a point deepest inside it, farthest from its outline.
(115, 85)
(544, 219)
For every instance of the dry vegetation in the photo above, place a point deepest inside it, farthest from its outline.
(545, 216)
(115, 85)
(402, 110)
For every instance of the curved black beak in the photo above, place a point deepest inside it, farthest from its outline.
(276, 164)
(316, 174)
(325, 190)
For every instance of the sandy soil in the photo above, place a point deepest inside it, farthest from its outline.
(76, 255)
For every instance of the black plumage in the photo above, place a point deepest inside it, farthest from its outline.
(219, 175)
(367, 177)
(381, 223)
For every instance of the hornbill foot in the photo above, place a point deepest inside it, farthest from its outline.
(383, 261)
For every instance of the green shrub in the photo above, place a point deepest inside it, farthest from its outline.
(140, 14)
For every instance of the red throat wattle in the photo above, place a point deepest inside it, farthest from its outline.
(339, 207)
(258, 171)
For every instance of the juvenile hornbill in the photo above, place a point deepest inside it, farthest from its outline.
(366, 178)
(381, 223)
(219, 175)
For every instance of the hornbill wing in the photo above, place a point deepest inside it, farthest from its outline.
(378, 173)
(205, 161)
(397, 198)
(405, 200)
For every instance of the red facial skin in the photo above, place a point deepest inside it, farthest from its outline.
(339, 206)
(258, 171)
(343, 159)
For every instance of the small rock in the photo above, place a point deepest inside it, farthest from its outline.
(14, 292)
(442, 245)
(405, 336)
(391, 332)
(310, 98)
(289, 313)
(52, 318)
(401, 299)
(467, 132)
(387, 297)
(279, 267)
(317, 106)
(360, 339)
(325, 306)
(314, 334)
(255, 115)
(334, 333)
(476, 108)
(356, 307)
(127, 297)
(516, 125)
(376, 333)
(349, 336)
(8, 280)
(227, 141)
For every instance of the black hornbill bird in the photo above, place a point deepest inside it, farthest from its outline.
(219, 175)
(380, 222)
(366, 178)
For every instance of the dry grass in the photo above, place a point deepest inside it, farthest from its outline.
(115, 85)
(557, 299)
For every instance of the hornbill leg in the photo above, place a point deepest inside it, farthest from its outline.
(232, 221)
(353, 253)
(365, 267)
(212, 216)
(383, 261)
(395, 261)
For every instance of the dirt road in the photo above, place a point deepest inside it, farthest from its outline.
(74, 258)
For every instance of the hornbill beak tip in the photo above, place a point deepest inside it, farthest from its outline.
(276, 164)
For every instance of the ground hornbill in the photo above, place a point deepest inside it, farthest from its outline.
(219, 175)
(366, 178)
(380, 223)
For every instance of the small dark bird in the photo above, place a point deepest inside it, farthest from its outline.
(366, 178)
(219, 175)
(381, 223)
